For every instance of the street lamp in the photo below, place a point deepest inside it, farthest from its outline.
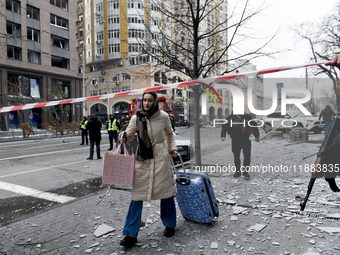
(306, 70)
(83, 65)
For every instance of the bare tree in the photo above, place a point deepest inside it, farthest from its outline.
(19, 92)
(311, 104)
(324, 40)
(59, 113)
(194, 37)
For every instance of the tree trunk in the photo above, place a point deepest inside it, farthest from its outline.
(197, 129)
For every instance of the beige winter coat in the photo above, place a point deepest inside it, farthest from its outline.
(153, 178)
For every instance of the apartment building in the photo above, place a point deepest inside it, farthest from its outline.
(38, 59)
(112, 39)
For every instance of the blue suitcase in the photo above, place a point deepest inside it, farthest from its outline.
(195, 196)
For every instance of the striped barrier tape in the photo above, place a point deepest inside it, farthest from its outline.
(205, 81)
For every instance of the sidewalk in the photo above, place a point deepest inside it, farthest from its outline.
(266, 221)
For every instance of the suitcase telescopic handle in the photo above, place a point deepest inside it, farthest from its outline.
(187, 180)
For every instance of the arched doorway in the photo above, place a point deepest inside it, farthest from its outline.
(226, 112)
(100, 110)
(211, 114)
(220, 113)
(120, 109)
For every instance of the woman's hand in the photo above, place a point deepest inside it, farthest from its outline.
(174, 154)
(335, 61)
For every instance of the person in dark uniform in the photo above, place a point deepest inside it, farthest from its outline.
(112, 127)
(94, 126)
(82, 127)
(239, 128)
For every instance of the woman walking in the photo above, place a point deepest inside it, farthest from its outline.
(153, 176)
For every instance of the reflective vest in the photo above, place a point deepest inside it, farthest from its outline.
(83, 124)
(112, 125)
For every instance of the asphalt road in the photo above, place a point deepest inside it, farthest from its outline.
(40, 173)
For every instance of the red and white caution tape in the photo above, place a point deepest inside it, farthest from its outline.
(156, 88)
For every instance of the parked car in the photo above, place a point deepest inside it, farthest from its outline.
(182, 123)
(184, 146)
(312, 124)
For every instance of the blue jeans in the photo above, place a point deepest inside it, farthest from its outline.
(327, 122)
(134, 216)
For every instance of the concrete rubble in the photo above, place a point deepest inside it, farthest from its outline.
(259, 216)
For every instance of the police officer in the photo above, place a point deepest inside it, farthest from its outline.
(82, 127)
(112, 128)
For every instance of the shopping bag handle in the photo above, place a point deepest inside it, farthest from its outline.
(118, 149)
(187, 180)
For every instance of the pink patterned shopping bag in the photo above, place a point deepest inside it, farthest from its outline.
(118, 169)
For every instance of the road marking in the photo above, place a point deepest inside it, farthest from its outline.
(46, 153)
(35, 193)
(40, 154)
(38, 147)
(40, 169)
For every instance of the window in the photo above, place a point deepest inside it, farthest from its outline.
(60, 3)
(13, 29)
(114, 48)
(13, 5)
(60, 62)
(114, 4)
(101, 79)
(135, 47)
(99, 7)
(60, 42)
(33, 57)
(100, 50)
(115, 90)
(100, 36)
(93, 68)
(32, 12)
(60, 89)
(116, 78)
(59, 21)
(126, 88)
(102, 91)
(126, 76)
(113, 33)
(133, 20)
(113, 19)
(136, 33)
(33, 34)
(93, 93)
(135, 4)
(94, 81)
(27, 86)
(13, 52)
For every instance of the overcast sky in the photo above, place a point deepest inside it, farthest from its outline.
(284, 14)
